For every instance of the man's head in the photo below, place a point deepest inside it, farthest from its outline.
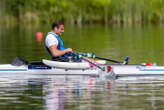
(58, 27)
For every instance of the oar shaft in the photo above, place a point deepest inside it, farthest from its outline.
(92, 63)
(114, 61)
(108, 59)
(89, 61)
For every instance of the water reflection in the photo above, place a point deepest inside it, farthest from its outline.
(80, 92)
(64, 92)
(20, 91)
(55, 97)
(141, 92)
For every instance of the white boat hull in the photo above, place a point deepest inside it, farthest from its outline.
(117, 70)
(45, 70)
(135, 70)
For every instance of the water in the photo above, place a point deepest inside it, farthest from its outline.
(39, 92)
(76, 93)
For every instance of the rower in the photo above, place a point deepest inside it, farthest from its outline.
(54, 44)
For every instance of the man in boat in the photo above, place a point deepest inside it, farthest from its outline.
(54, 43)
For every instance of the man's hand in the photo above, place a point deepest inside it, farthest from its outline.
(68, 50)
(55, 52)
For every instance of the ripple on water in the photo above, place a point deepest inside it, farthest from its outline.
(81, 92)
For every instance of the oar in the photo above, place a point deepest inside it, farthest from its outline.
(114, 61)
(93, 63)
(89, 61)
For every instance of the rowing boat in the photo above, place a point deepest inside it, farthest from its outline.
(82, 68)
(118, 70)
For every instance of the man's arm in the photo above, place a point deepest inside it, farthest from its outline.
(55, 52)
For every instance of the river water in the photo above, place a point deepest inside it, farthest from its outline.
(24, 91)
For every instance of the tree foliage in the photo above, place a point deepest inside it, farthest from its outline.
(84, 11)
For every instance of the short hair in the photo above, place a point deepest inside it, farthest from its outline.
(57, 24)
